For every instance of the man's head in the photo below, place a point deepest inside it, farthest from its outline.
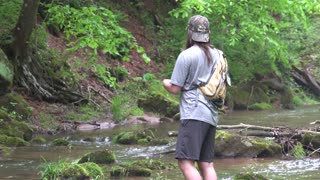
(199, 27)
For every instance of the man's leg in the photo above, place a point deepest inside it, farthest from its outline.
(188, 170)
(207, 170)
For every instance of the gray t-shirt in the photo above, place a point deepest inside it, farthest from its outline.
(191, 70)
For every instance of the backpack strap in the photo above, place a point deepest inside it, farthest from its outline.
(213, 67)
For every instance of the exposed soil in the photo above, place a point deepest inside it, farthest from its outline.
(90, 85)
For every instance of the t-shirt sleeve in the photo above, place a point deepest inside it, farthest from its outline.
(180, 71)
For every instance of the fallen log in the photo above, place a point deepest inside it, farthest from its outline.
(305, 78)
(246, 126)
(260, 131)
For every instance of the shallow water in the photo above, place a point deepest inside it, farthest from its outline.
(23, 162)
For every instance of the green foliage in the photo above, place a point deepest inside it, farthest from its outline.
(9, 14)
(100, 157)
(63, 169)
(298, 151)
(12, 114)
(47, 121)
(260, 106)
(84, 113)
(249, 31)
(60, 142)
(120, 73)
(104, 75)
(94, 28)
(123, 106)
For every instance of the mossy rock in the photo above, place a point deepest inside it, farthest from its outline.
(243, 96)
(142, 137)
(234, 145)
(153, 164)
(17, 129)
(86, 170)
(60, 142)
(126, 138)
(260, 106)
(159, 103)
(4, 151)
(6, 73)
(311, 139)
(119, 171)
(12, 141)
(16, 105)
(249, 176)
(99, 157)
(38, 140)
(134, 137)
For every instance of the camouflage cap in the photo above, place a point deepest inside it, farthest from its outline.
(199, 26)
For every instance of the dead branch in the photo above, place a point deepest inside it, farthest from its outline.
(246, 126)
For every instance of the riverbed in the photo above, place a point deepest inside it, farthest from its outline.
(23, 162)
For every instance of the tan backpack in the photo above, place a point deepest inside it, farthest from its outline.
(216, 86)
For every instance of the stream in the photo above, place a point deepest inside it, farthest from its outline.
(23, 162)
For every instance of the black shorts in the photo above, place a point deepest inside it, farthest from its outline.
(195, 141)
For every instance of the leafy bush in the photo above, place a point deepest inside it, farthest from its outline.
(250, 31)
(104, 75)
(124, 105)
(94, 28)
(9, 14)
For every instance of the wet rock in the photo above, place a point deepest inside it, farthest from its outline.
(143, 167)
(159, 103)
(87, 127)
(60, 142)
(118, 171)
(145, 119)
(99, 157)
(249, 176)
(66, 127)
(143, 137)
(166, 120)
(234, 145)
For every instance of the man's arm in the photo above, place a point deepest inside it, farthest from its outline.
(174, 89)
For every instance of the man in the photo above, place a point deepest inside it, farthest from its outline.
(198, 117)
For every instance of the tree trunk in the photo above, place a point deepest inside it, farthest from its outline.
(28, 72)
(305, 78)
